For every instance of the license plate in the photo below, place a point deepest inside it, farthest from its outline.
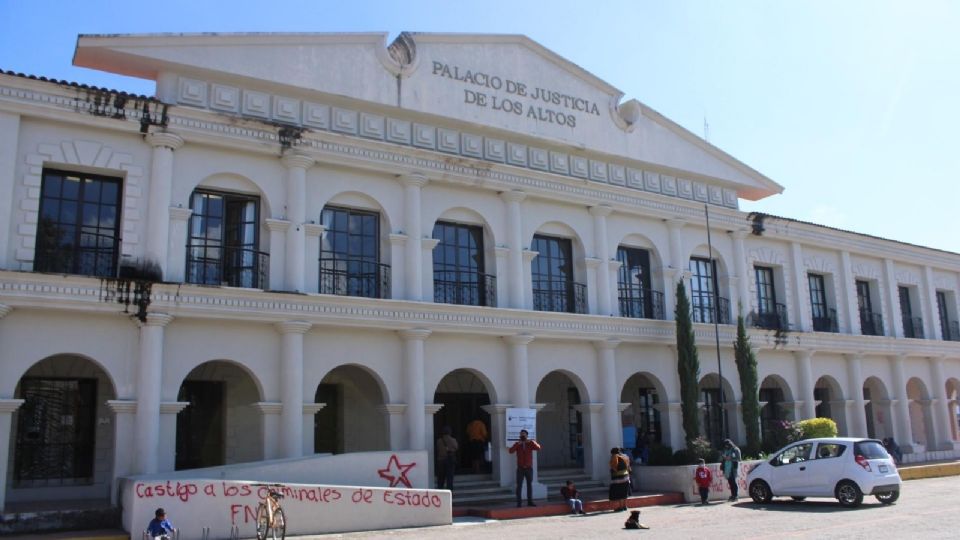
(884, 468)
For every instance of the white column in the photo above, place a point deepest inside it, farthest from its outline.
(10, 127)
(901, 426)
(412, 184)
(430, 409)
(427, 265)
(502, 471)
(527, 277)
(520, 371)
(607, 372)
(310, 411)
(803, 318)
(168, 434)
(515, 243)
(312, 232)
(848, 288)
(941, 412)
(503, 293)
(894, 320)
(149, 383)
(177, 244)
(398, 243)
(676, 268)
(595, 452)
(395, 413)
(296, 166)
(7, 408)
(601, 252)
(124, 411)
(858, 418)
(743, 273)
(805, 378)
(413, 385)
(291, 386)
(928, 302)
(593, 284)
(157, 229)
(278, 252)
(271, 443)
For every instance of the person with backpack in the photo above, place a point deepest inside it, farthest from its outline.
(619, 479)
(703, 477)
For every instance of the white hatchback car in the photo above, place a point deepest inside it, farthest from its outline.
(843, 468)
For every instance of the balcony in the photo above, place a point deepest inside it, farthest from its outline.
(827, 323)
(638, 303)
(913, 327)
(215, 264)
(771, 320)
(464, 288)
(703, 311)
(871, 324)
(349, 276)
(951, 331)
(559, 296)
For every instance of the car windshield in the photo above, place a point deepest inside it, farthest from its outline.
(870, 450)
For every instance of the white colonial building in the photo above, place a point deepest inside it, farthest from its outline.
(312, 243)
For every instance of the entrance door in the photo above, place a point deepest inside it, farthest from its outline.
(200, 426)
(459, 409)
(327, 425)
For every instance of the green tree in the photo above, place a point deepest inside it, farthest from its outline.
(747, 370)
(688, 367)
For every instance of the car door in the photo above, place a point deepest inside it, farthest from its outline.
(824, 468)
(789, 474)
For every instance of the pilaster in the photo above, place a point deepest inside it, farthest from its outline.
(515, 244)
(157, 230)
(413, 342)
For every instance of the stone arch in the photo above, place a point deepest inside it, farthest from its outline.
(65, 397)
(233, 182)
(547, 296)
(776, 403)
(224, 419)
(360, 201)
(561, 424)
(877, 408)
(647, 397)
(828, 395)
(465, 394)
(82, 156)
(355, 418)
(921, 415)
(453, 277)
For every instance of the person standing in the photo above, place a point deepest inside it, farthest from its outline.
(476, 443)
(619, 479)
(703, 477)
(730, 457)
(524, 450)
(446, 458)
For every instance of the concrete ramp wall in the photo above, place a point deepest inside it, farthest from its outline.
(358, 491)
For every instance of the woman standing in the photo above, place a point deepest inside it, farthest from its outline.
(731, 466)
(619, 478)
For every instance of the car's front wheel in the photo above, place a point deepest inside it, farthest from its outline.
(849, 494)
(889, 497)
(760, 492)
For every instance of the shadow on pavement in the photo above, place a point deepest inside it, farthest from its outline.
(815, 507)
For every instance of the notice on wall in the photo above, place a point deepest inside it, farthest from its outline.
(518, 419)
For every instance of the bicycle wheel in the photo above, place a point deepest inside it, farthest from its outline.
(263, 522)
(279, 528)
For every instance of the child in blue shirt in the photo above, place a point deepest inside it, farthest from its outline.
(159, 527)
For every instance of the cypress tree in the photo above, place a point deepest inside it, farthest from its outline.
(747, 369)
(688, 367)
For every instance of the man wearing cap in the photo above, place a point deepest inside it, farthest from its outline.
(524, 450)
(159, 527)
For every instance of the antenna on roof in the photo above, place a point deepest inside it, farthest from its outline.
(706, 129)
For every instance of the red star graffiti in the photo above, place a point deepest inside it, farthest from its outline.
(400, 476)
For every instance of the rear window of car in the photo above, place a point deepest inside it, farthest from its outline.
(870, 450)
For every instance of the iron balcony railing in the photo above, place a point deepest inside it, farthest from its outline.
(827, 323)
(871, 324)
(913, 327)
(212, 263)
(640, 303)
(352, 276)
(702, 307)
(951, 332)
(558, 295)
(464, 288)
(772, 320)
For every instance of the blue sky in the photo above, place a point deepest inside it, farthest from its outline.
(852, 106)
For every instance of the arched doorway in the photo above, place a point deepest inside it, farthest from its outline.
(776, 401)
(220, 425)
(644, 393)
(463, 395)
(830, 404)
(921, 417)
(353, 419)
(61, 449)
(716, 421)
(560, 424)
(877, 409)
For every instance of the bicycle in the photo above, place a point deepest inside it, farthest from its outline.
(271, 521)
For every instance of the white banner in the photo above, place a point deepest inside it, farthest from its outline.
(518, 419)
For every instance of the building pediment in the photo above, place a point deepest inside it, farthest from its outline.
(500, 83)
